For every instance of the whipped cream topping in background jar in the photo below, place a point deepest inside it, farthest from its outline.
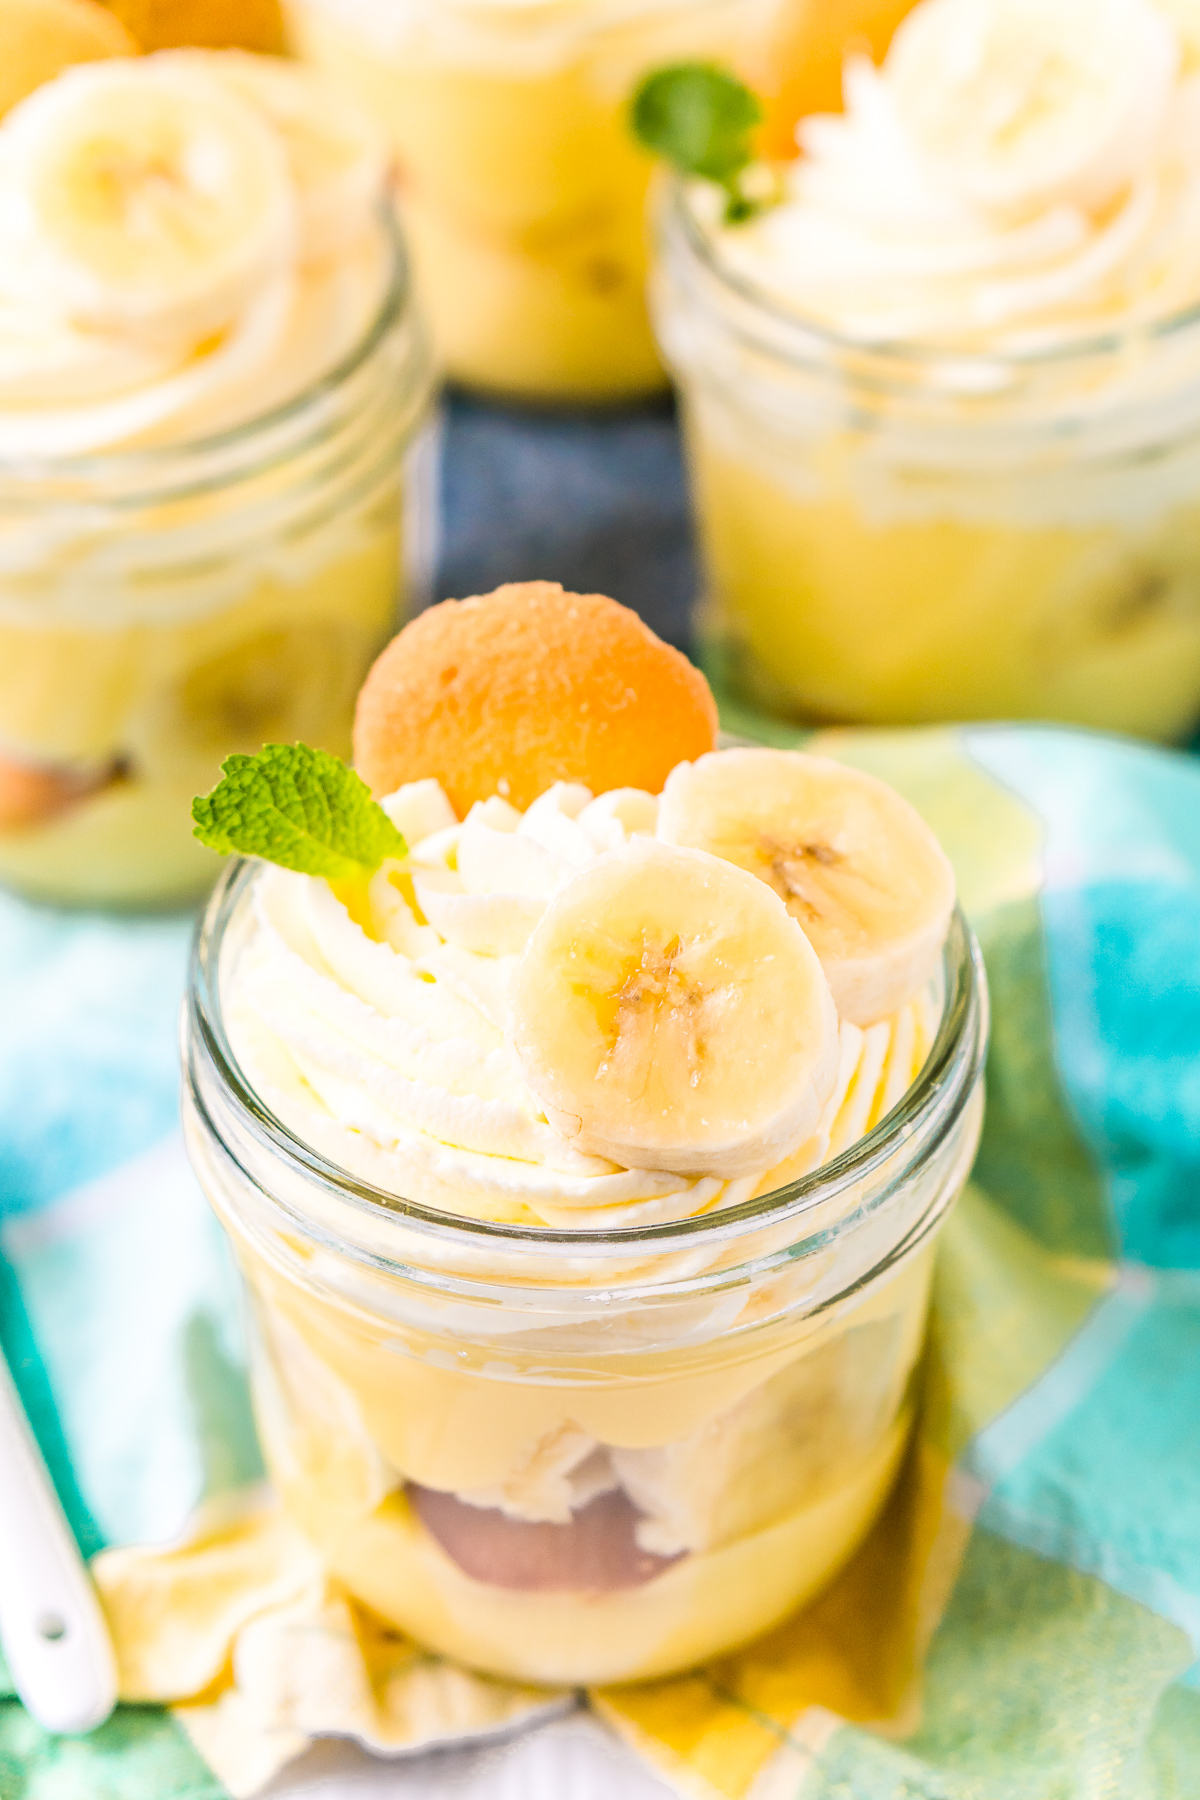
(565, 1420)
(212, 387)
(942, 400)
(523, 188)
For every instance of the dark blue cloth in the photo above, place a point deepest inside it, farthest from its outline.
(595, 500)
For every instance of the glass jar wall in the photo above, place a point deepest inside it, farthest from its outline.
(900, 535)
(162, 608)
(583, 1456)
(523, 188)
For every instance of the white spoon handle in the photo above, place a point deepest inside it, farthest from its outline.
(55, 1640)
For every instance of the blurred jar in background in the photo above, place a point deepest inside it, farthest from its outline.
(215, 24)
(523, 189)
(209, 386)
(942, 401)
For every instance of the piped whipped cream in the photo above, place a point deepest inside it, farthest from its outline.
(1017, 174)
(187, 240)
(373, 1020)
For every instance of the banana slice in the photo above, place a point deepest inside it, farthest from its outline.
(337, 157)
(668, 1014)
(1018, 104)
(293, 678)
(143, 195)
(856, 865)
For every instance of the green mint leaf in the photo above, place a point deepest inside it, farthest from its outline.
(701, 119)
(301, 808)
(738, 208)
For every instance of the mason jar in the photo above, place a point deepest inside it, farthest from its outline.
(524, 190)
(163, 607)
(594, 1455)
(900, 534)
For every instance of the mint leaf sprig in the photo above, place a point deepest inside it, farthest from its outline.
(701, 119)
(299, 807)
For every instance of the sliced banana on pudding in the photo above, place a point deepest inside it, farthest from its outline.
(668, 1014)
(855, 864)
(142, 195)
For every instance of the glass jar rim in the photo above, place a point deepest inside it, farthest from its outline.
(904, 354)
(925, 1115)
(119, 465)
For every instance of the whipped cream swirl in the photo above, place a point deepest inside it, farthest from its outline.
(374, 1022)
(1017, 174)
(187, 240)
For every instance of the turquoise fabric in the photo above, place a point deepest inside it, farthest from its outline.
(1121, 909)
(119, 1311)
(87, 1045)
(1113, 1484)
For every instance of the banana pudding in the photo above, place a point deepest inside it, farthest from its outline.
(210, 379)
(584, 1157)
(523, 189)
(941, 393)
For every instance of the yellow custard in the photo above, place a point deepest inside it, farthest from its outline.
(700, 1608)
(523, 189)
(162, 700)
(822, 614)
(810, 1433)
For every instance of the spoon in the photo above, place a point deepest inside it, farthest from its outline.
(55, 1639)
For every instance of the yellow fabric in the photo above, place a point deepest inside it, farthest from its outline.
(261, 1652)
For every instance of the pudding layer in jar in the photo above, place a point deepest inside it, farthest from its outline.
(942, 398)
(211, 377)
(586, 1202)
(523, 189)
